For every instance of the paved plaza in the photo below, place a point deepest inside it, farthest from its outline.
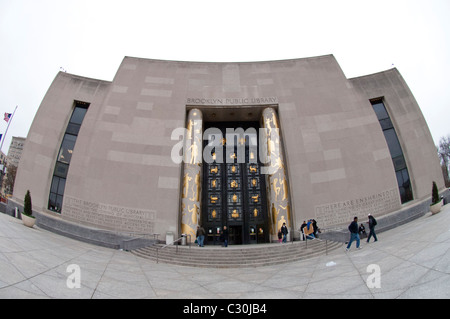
(411, 261)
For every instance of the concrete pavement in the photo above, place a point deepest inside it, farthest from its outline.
(411, 261)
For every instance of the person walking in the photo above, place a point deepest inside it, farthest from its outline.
(309, 230)
(200, 236)
(280, 236)
(354, 235)
(225, 236)
(372, 223)
(284, 231)
(302, 230)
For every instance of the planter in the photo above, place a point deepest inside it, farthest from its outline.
(28, 221)
(436, 208)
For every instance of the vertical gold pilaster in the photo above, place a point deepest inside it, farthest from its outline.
(192, 174)
(275, 170)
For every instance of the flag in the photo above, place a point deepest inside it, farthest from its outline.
(7, 117)
(1, 135)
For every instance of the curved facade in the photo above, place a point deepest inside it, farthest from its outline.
(167, 146)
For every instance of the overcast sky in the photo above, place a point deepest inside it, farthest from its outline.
(90, 38)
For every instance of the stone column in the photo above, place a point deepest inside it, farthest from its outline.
(192, 174)
(276, 177)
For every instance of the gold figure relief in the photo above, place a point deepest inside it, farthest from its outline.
(194, 153)
(186, 181)
(285, 189)
(255, 198)
(278, 164)
(195, 212)
(234, 184)
(214, 183)
(276, 189)
(288, 213)
(214, 170)
(234, 198)
(189, 130)
(253, 169)
(274, 218)
(235, 214)
(196, 189)
(254, 182)
(274, 120)
(233, 169)
(214, 214)
(281, 222)
(255, 212)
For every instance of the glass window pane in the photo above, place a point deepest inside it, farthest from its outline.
(54, 187)
(65, 153)
(393, 143)
(59, 200)
(386, 124)
(399, 178)
(73, 128)
(61, 169)
(380, 111)
(78, 115)
(52, 202)
(61, 186)
(399, 163)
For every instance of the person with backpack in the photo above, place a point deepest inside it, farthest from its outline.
(372, 223)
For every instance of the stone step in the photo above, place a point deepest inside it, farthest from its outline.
(236, 256)
(221, 251)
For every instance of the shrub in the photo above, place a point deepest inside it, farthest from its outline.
(435, 195)
(27, 208)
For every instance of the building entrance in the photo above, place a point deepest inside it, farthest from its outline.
(234, 191)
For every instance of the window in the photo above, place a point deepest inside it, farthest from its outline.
(398, 159)
(65, 153)
(58, 185)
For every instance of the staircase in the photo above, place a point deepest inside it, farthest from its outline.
(236, 256)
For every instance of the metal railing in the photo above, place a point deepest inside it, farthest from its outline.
(188, 242)
(306, 240)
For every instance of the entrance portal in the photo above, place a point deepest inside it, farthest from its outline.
(234, 190)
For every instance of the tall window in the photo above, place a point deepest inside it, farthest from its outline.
(403, 180)
(64, 156)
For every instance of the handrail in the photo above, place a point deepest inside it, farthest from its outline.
(306, 240)
(295, 230)
(175, 241)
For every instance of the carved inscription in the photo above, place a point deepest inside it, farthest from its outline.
(343, 212)
(232, 101)
(109, 216)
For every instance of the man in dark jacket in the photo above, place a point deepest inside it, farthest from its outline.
(284, 231)
(224, 236)
(372, 224)
(354, 235)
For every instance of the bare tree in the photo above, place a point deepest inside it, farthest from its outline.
(444, 155)
(10, 178)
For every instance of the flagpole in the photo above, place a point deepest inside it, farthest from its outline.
(6, 132)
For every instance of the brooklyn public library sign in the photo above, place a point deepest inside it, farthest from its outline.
(232, 101)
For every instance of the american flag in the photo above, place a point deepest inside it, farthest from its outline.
(7, 117)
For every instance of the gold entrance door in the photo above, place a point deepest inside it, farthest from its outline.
(234, 192)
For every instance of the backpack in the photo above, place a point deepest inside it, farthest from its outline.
(374, 221)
